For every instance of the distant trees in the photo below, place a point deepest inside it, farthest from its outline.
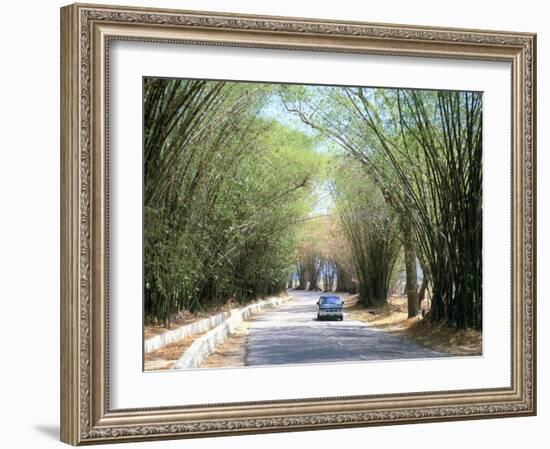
(301, 274)
(310, 257)
(313, 264)
(224, 189)
(372, 231)
(329, 271)
(324, 257)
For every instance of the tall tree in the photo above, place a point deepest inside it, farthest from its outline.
(411, 283)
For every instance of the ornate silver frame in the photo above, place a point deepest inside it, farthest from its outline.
(86, 31)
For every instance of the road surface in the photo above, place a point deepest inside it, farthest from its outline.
(291, 334)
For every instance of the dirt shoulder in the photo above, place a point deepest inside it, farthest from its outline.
(165, 357)
(232, 352)
(185, 317)
(229, 354)
(151, 329)
(393, 318)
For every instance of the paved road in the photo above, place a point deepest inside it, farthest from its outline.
(291, 334)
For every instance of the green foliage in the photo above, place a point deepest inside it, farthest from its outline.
(225, 189)
(231, 193)
(371, 228)
(423, 150)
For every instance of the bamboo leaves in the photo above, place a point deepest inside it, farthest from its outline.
(372, 230)
(423, 150)
(223, 190)
(229, 189)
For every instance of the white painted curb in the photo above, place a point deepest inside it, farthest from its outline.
(195, 354)
(173, 336)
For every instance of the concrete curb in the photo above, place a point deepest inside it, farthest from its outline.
(195, 354)
(173, 336)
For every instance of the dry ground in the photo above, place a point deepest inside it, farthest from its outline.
(183, 318)
(165, 357)
(440, 337)
(231, 353)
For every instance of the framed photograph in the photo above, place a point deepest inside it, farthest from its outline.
(274, 224)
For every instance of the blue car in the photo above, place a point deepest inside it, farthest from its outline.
(330, 306)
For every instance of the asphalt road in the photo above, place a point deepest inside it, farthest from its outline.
(291, 334)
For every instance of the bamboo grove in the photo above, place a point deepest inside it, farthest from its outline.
(423, 150)
(223, 190)
(232, 178)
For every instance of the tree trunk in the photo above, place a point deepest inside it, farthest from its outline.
(410, 268)
(422, 292)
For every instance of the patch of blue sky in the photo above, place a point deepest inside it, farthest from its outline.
(324, 203)
(275, 109)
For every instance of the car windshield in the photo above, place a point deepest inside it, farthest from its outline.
(333, 300)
